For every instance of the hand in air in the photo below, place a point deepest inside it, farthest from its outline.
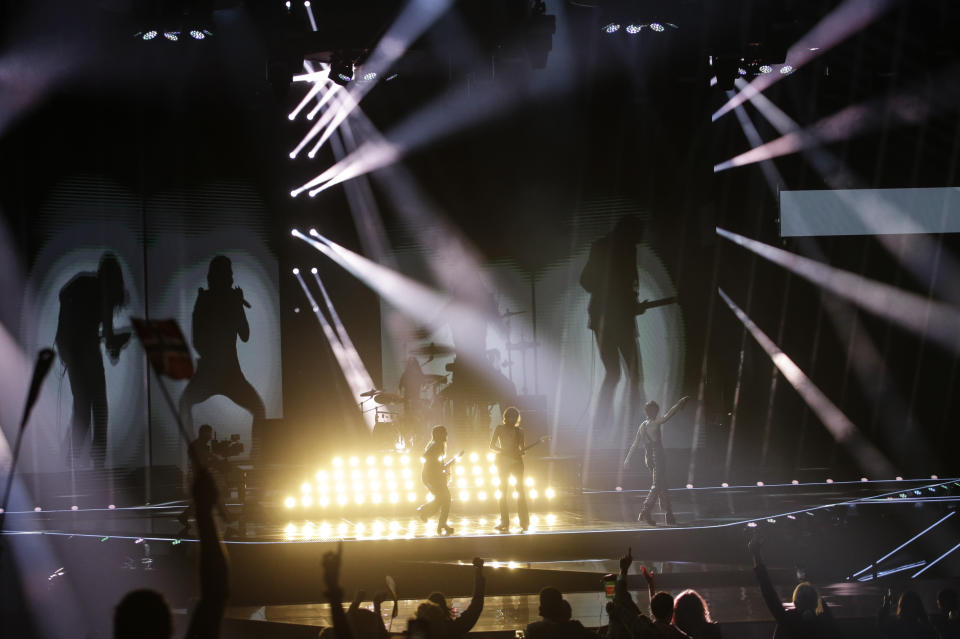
(626, 561)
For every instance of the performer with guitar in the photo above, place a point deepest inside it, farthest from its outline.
(435, 476)
(509, 444)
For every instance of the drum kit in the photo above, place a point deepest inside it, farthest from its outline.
(403, 417)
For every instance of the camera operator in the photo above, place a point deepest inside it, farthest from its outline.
(208, 457)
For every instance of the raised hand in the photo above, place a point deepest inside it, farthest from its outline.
(204, 490)
(331, 571)
(626, 561)
(648, 576)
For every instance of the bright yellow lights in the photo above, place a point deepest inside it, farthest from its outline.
(476, 470)
(338, 474)
(474, 457)
(305, 488)
(534, 494)
(358, 498)
(356, 473)
(360, 528)
(551, 519)
(493, 469)
(491, 457)
(404, 460)
(376, 498)
(290, 531)
(290, 502)
(342, 529)
(323, 488)
(357, 486)
(389, 474)
(374, 485)
(373, 473)
(405, 473)
(461, 483)
(482, 496)
(308, 531)
(371, 460)
(549, 493)
(324, 501)
(341, 499)
(392, 485)
(387, 460)
(354, 461)
(497, 495)
(307, 501)
(411, 497)
(321, 475)
(338, 462)
(528, 481)
(516, 495)
(460, 470)
(512, 481)
(511, 565)
(430, 497)
(464, 495)
(394, 498)
(478, 481)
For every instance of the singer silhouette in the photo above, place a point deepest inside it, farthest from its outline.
(218, 319)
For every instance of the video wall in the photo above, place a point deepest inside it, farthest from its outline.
(568, 344)
(104, 254)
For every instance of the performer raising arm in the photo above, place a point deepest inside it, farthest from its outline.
(650, 435)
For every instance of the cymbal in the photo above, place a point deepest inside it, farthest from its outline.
(388, 398)
(369, 393)
(434, 350)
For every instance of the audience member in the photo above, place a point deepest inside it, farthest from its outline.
(454, 627)
(947, 621)
(661, 607)
(557, 622)
(692, 615)
(626, 619)
(809, 618)
(911, 621)
(144, 614)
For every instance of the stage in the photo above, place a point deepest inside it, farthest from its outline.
(830, 533)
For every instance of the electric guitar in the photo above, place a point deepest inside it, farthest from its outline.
(645, 305)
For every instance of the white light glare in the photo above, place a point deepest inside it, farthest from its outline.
(172, 36)
(634, 29)
(786, 69)
(296, 271)
(613, 27)
(656, 26)
(765, 68)
(314, 270)
(150, 35)
(369, 76)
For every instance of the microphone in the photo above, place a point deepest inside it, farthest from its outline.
(40, 370)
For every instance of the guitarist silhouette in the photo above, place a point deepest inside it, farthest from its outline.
(435, 476)
(509, 443)
(610, 277)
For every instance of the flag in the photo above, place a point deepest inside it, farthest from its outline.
(166, 347)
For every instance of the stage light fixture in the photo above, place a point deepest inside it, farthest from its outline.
(528, 481)
(388, 461)
(306, 488)
(411, 497)
(760, 483)
(512, 481)
(354, 461)
(394, 498)
(200, 34)
(307, 501)
(534, 494)
(37, 509)
(656, 26)
(899, 478)
(313, 270)
(491, 457)
(497, 494)
(786, 69)
(516, 495)
(482, 496)
(296, 271)
(478, 481)
(369, 76)
(404, 461)
(289, 502)
(464, 495)
(765, 68)
(634, 29)
(474, 457)
(111, 507)
(613, 27)
(795, 482)
(829, 481)
(172, 36)
(148, 35)
(550, 494)
(725, 485)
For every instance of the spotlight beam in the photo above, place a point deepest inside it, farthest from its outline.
(415, 18)
(936, 320)
(906, 108)
(356, 375)
(840, 427)
(873, 212)
(844, 21)
(317, 87)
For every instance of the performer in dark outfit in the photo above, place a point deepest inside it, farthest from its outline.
(610, 277)
(87, 305)
(508, 442)
(650, 436)
(434, 477)
(218, 319)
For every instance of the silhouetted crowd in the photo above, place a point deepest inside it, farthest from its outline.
(144, 614)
